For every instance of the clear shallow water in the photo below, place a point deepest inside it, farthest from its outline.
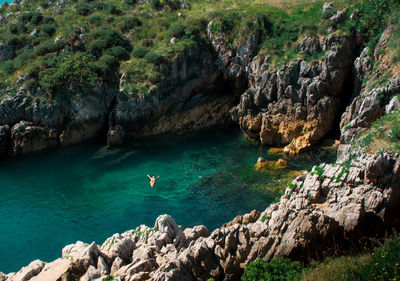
(88, 193)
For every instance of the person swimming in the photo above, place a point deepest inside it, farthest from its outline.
(152, 180)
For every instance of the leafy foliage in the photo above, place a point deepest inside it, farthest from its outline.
(278, 269)
(76, 71)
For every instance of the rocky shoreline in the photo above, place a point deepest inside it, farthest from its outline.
(330, 208)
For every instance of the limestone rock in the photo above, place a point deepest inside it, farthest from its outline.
(295, 106)
(91, 274)
(29, 271)
(196, 232)
(83, 255)
(54, 271)
(393, 105)
(25, 138)
(338, 17)
(116, 265)
(119, 246)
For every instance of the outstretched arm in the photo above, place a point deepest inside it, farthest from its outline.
(157, 177)
(149, 176)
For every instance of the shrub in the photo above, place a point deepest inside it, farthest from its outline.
(130, 23)
(107, 62)
(8, 66)
(140, 52)
(96, 47)
(176, 30)
(112, 38)
(120, 53)
(45, 48)
(277, 269)
(17, 28)
(44, 4)
(76, 71)
(47, 20)
(155, 4)
(82, 8)
(96, 20)
(383, 264)
(154, 58)
(130, 2)
(113, 10)
(47, 29)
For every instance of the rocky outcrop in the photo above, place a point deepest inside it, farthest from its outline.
(191, 96)
(295, 105)
(28, 124)
(369, 99)
(323, 211)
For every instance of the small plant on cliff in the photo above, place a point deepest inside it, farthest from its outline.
(318, 171)
(276, 270)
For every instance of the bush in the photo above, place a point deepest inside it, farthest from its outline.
(176, 30)
(44, 48)
(96, 47)
(119, 52)
(96, 20)
(44, 4)
(82, 9)
(278, 269)
(130, 23)
(113, 10)
(47, 29)
(75, 72)
(140, 52)
(47, 20)
(154, 58)
(112, 38)
(155, 4)
(107, 62)
(17, 28)
(130, 2)
(8, 67)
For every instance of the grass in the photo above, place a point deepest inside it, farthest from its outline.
(384, 134)
(380, 264)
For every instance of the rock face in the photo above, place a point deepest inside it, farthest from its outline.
(295, 106)
(36, 126)
(332, 205)
(190, 97)
(369, 101)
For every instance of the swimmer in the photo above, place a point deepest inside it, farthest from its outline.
(152, 180)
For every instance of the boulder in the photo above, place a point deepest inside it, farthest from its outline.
(119, 246)
(54, 271)
(393, 105)
(29, 271)
(83, 255)
(26, 137)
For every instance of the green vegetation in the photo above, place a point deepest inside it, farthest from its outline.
(277, 269)
(384, 134)
(381, 264)
(109, 30)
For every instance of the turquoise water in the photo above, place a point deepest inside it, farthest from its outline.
(88, 192)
